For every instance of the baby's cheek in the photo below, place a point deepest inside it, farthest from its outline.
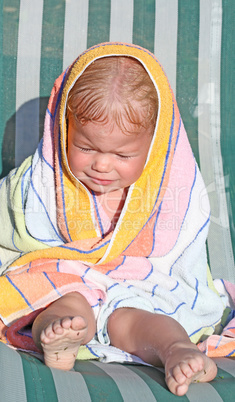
(77, 161)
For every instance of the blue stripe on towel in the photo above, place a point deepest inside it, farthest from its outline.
(150, 272)
(83, 276)
(207, 326)
(98, 215)
(231, 353)
(59, 95)
(154, 228)
(30, 264)
(2, 181)
(117, 303)
(60, 165)
(52, 284)
(196, 288)
(62, 190)
(167, 154)
(200, 230)
(178, 134)
(44, 207)
(49, 112)
(47, 163)
(111, 270)
(218, 343)
(41, 155)
(173, 312)
(190, 197)
(18, 290)
(92, 351)
(153, 290)
(163, 175)
(155, 224)
(176, 286)
(112, 286)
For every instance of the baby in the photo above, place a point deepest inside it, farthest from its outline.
(111, 115)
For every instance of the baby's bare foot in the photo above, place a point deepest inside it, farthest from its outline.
(60, 341)
(184, 365)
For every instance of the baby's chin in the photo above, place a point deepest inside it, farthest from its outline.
(110, 191)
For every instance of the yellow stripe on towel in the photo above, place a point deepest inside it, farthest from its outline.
(15, 298)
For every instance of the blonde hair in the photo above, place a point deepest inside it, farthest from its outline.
(115, 88)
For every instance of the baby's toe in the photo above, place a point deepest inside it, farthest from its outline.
(47, 334)
(65, 323)
(57, 327)
(178, 387)
(178, 373)
(78, 323)
(189, 369)
(181, 390)
(197, 363)
(49, 331)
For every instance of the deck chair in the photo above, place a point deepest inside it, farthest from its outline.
(193, 41)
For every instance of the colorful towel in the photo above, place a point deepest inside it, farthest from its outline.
(55, 238)
(224, 343)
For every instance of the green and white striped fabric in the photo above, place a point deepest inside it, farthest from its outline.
(24, 378)
(193, 41)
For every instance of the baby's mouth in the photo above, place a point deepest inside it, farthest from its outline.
(104, 182)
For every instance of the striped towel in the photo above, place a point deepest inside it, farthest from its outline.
(57, 238)
(223, 344)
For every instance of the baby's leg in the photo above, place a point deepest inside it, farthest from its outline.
(61, 328)
(158, 339)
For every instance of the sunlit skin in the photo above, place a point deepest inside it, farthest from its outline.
(107, 161)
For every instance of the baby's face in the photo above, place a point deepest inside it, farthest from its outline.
(105, 159)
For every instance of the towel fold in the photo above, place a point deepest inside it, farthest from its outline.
(223, 344)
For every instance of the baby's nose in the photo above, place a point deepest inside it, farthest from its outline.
(102, 163)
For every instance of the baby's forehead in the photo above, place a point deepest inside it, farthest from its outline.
(109, 126)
